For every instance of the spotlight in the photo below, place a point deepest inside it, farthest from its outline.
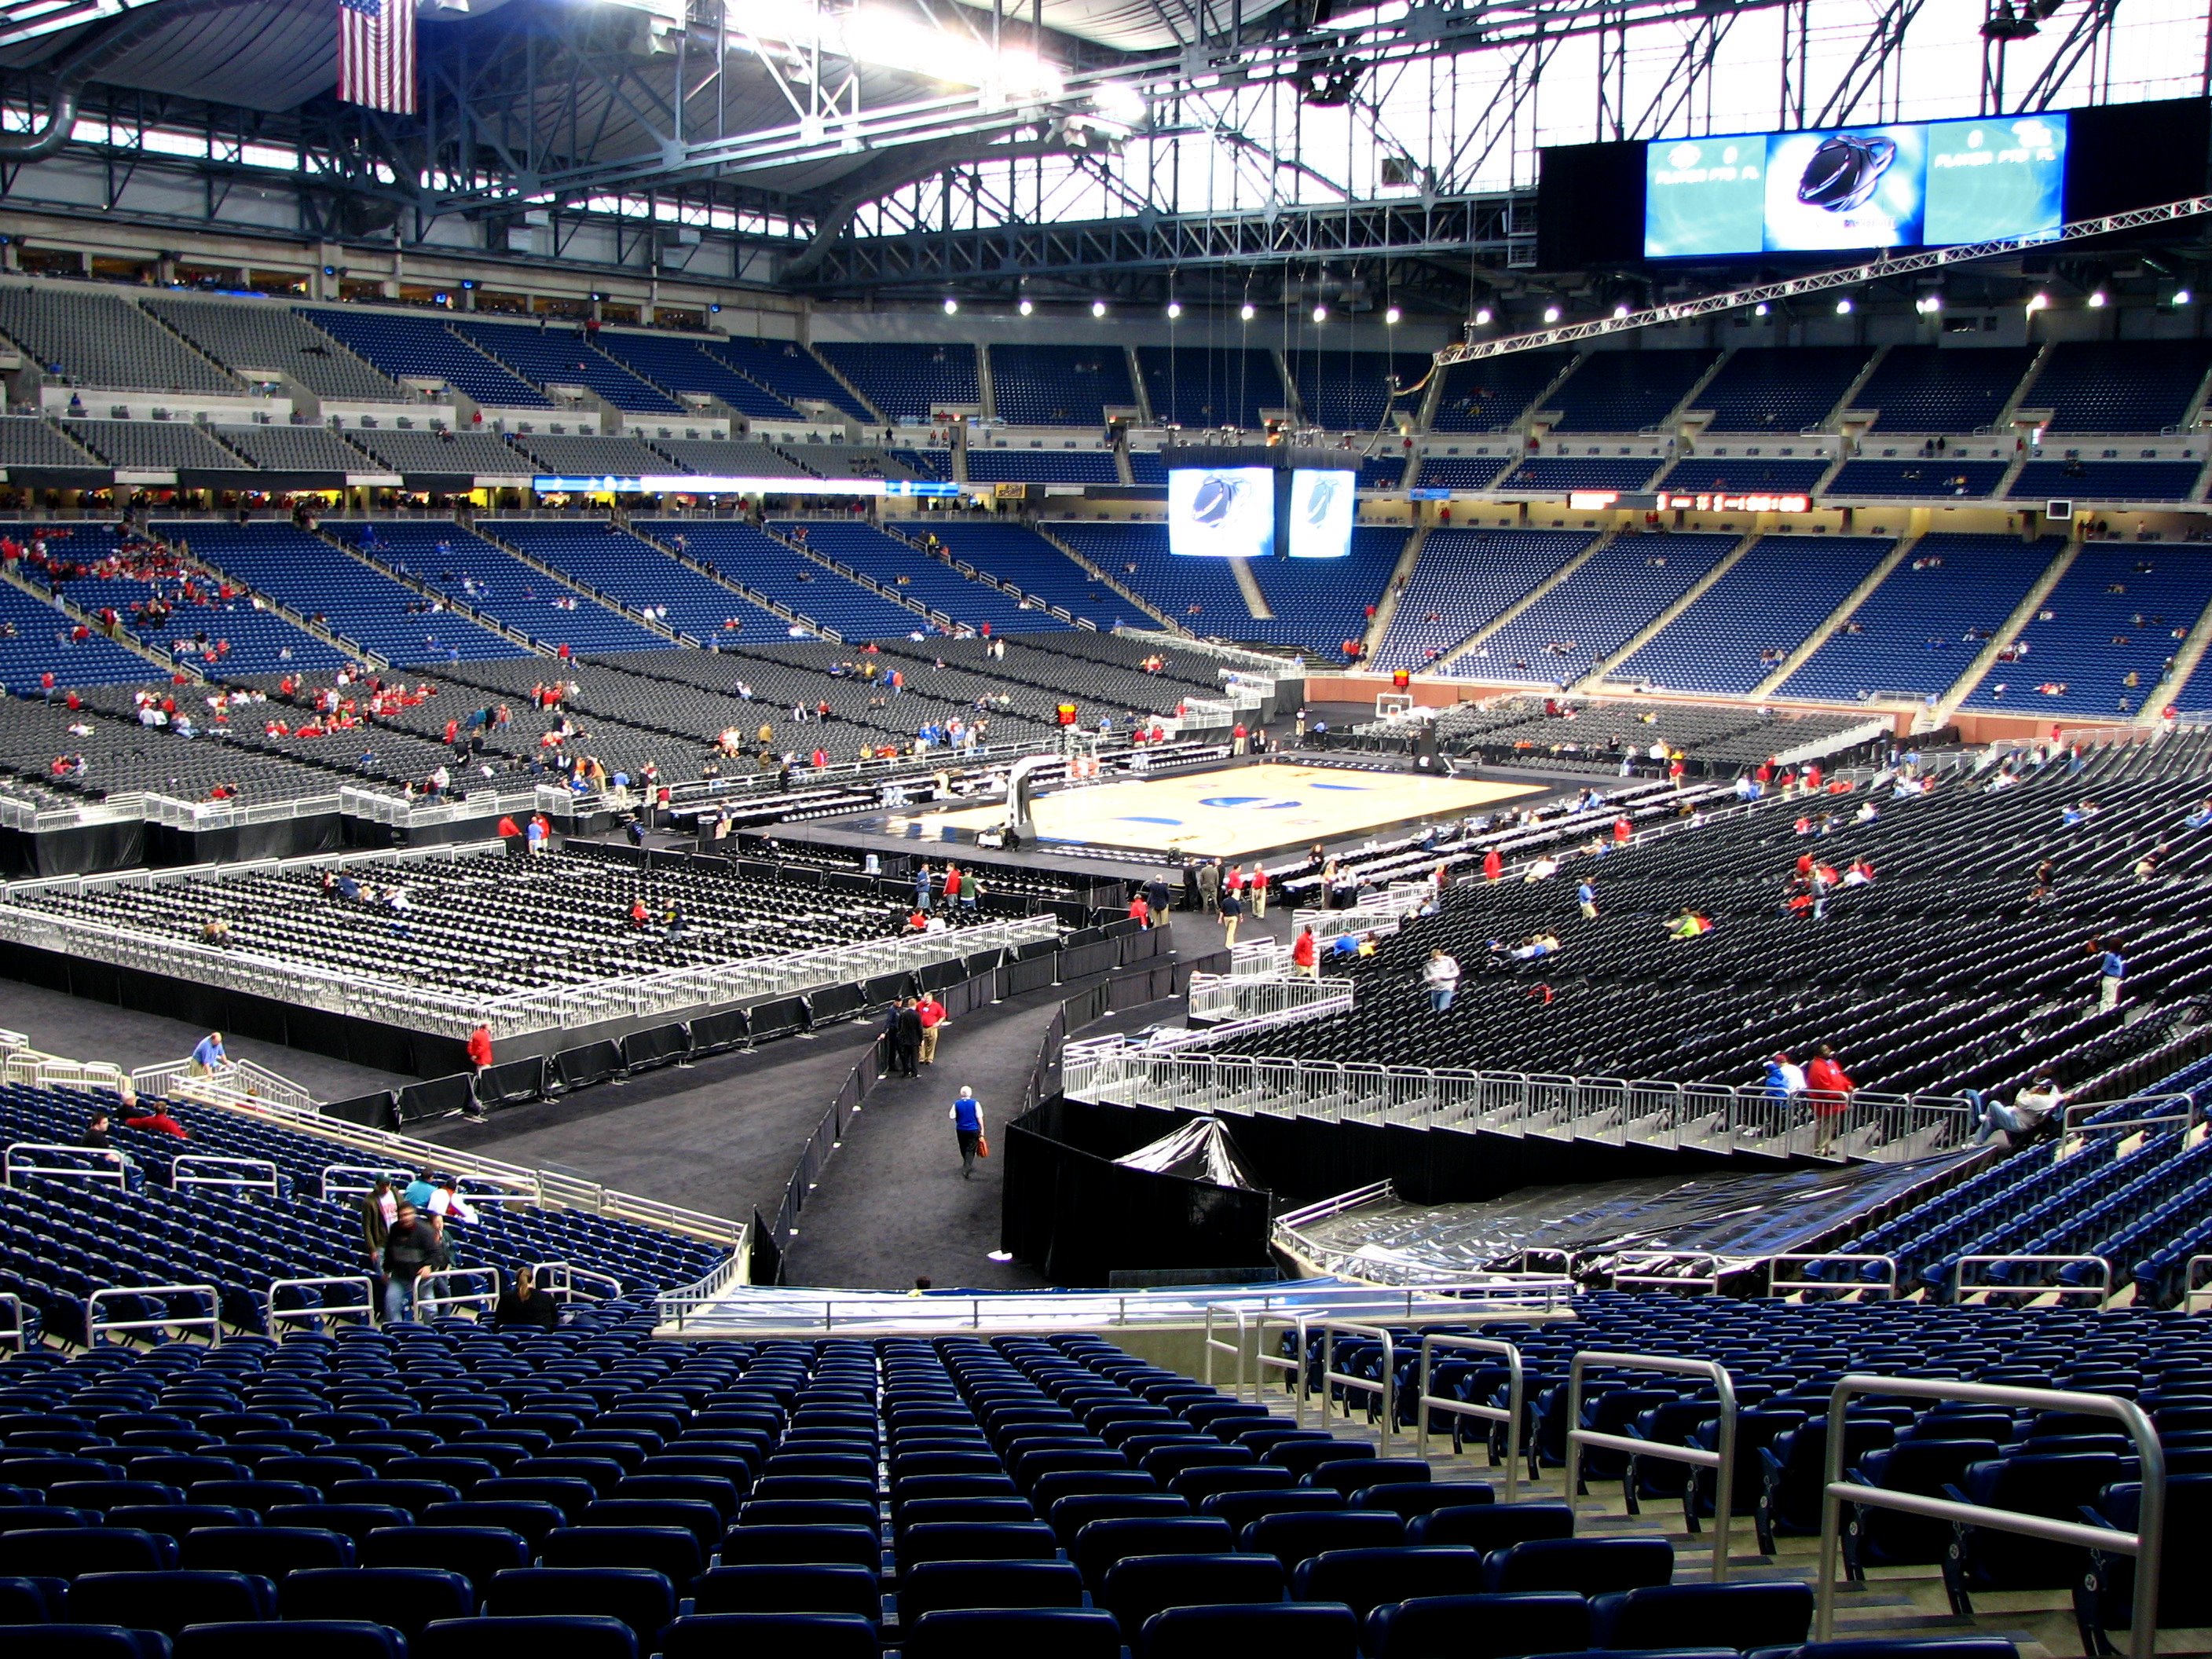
(1174, 309)
(1248, 311)
(1620, 311)
(1098, 307)
(1025, 307)
(1843, 307)
(715, 308)
(468, 282)
(1482, 317)
(1550, 313)
(1393, 316)
(1320, 314)
(952, 306)
(1759, 310)
(2097, 300)
(2038, 302)
(2181, 296)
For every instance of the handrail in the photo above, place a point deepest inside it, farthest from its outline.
(559, 1279)
(2195, 1295)
(95, 1327)
(2145, 1543)
(1721, 1459)
(375, 1172)
(272, 1316)
(2101, 1290)
(1775, 1287)
(119, 1171)
(2191, 1112)
(1710, 1280)
(20, 1331)
(1383, 1389)
(439, 1293)
(1510, 1413)
(270, 1181)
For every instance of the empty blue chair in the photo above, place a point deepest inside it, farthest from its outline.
(405, 1598)
(1313, 1631)
(1364, 1579)
(857, 1546)
(976, 1541)
(942, 1585)
(718, 1491)
(1303, 1456)
(1587, 1567)
(937, 1511)
(550, 1637)
(1488, 1527)
(325, 1638)
(1348, 1475)
(1241, 1508)
(1065, 1632)
(86, 1641)
(167, 1601)
(476, 1553)
(259, 1496)
(270, 1551)
(671, 1552)
(790, 1587)
(1933, 1647)
(817, 1635)
(641, 1599)
(1409, 1499)
(1478, 1626)
(1071, 1515)
(104, 1495)
(1699, 1615)
(64, 1552)
(26, 1601)
(175, 1520)
(1139, 1586)
(533, 1521)
(1201, 1482)
(1291, 1538)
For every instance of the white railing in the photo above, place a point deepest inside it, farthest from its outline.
(207, 1170)
(1225, 996)
(564, 1281)
(1258, 958)
(1886, 1284)
(1380, 914)
(456, 1287)
(234, 1082)
(97, 1327)
(1879, 1128)
(1964, 1284)
(2195, 1295)
(1721, 1459)
(109, 1166)
(1638, 1275)
(274, 1318)
(1512, 1413)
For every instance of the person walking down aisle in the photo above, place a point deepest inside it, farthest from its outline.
(968, 1128)
(930, 1012)
(1441, 976)
(208, 1055)
(410, 1250)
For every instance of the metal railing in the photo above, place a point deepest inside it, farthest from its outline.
(2145, 1543)
(273, 1317)
(1886, 1284)
(17, 1332)
(2195, 1295)
(259, 1173)
(439, 1288)
(115, 1169)
(1721, 1459)
(1381, 915)
(357, 1179)
(96, 1327)
(1382, 1387)
(1962, 1287)
(1511, 1413)
(1277, 1001)
(1708, 1281)
(564, 1281)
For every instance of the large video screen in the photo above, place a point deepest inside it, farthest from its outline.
(1932, 184)
(1218, 513)
(1321, 513)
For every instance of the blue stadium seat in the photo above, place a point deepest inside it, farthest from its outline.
(1744, 1615)
(820, 1635)
(1283, 1627)
(1364, 1579)
(167, 1601)
(405, 1598)
(782, 1587)
(1137, 1587)
(1011, 1633)
(550, 1637)
(1479, 1626)
(327, 1638)
(1588, 1566)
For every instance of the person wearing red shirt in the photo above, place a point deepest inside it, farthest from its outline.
(1259, 892)
(1140, 911)
(932, 1016)
(1829, 1090)
(952, 883)
(480, 1047)
(1622, 829)
(1493, 865)
(1305, 956)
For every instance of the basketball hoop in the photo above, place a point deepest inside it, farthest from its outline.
(1393, 705)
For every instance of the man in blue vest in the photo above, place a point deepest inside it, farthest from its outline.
(968, 1125)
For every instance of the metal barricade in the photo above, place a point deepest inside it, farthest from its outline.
(264, 1178)
(2195, 1295)
(1511, 1413)
(1430, 1304)
(1329, 1374)
(1886, 1284)
(1961, 1287)
(1709, 1281)
(95, 1327)
(1721, 1460)
(564, 1281)
(19, 1332)
(438, 1289)
(273, 1316)
(2144, 1544)
(11, 1166)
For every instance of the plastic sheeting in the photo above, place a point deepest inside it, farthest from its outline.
(1201, 1150)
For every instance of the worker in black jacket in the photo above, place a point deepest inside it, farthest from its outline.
(411, 1248)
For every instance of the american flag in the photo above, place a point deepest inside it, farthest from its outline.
(376, 54)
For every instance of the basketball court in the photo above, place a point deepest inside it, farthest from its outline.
(1253, 809)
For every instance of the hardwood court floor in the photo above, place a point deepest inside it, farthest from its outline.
(1249, 810)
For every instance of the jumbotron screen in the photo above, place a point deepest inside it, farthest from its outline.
(1937, 184)
(1220, 513)
(1320, 511)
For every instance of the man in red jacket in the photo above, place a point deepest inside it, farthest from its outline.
(1829, 1090)
(932, 1017)
(1305, 956)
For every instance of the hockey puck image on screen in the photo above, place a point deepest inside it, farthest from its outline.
(1216, 496)
(1844, 171)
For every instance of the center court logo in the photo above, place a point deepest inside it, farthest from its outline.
(1248, 803)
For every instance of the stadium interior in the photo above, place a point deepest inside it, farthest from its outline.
(850, 827)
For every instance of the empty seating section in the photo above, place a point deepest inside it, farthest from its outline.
(565, 357)
(790, 370)
(2105, 481)
(424, 349)
(1321, 603)
(1923, 388)
(590, 455)
(1460, 471)
(36, 639)
(1060, 385)
(1462, 580)
(2119, 386)
(1382, 471)
(469, 572)
(104, 342)
(1352, 391)
(716, 459)
(273, 339)
(27, 440)
(1936, 476)
(1779, 389)
(906, 381)
(679, 366)
(311, 449)
(1148, 467)
(156, 446)
(1734, 475)
(1017, 555)
(1916, 633)
(1196, 387)
(2101, 640)
(1083, 466)
(1625, 391)
(925, 463)
(416, 454)
(761, 562)
(1491, 395)
(358, 602)
(1560, 638)
(640, 575)
(1559, 472)
(1201, 594)
(1737, 631)
(931, 582)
